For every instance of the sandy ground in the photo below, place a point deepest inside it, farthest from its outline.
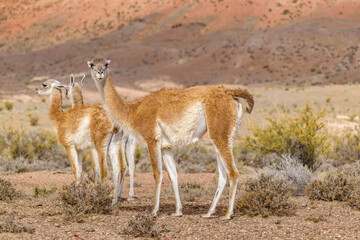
(340, 221)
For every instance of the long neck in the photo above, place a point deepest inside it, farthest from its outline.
(119, 110)
(77, 97)
(55, 106)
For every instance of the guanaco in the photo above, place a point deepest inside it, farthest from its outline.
(170, 118)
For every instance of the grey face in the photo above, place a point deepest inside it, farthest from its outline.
(99, 70)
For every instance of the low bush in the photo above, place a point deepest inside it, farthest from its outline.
(266, 194)
(9, 105)
(336, 184)
(293, 171)
(144, 225)
(354, 198)
(33, 119)
(301, 136)
(10, 226)
(7, 191)
(84, 198)
(347, 146)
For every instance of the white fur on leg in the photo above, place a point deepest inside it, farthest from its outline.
(130, 152)
(114, 158)
(171, 169)
(221, 185)
(158, 185)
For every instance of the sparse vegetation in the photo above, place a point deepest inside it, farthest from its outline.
(266, 195)
(354, 199)
(30, 150)
(43, 192)
(337, 184)
(7, 191)
(301, 136)
(195, 158)
(144, 225)
(9, 105)
(9, 225)
(315, 218)
(347, 146)
(33, 119)
(85, 198)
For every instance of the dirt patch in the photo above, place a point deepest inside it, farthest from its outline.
(338, 220)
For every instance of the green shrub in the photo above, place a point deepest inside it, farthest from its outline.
(336, 184)
(301, 136)
(43, 192)
(1, 108)
(86, 198)
(22, 151)
(9, 105)
(33, 119)
(29, 145)
(266, 195)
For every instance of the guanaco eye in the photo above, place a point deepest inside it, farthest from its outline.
(44, 85)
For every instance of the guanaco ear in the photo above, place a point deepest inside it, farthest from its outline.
(82, 80)
(90, 64)
(60, 87)
(72, 80)
(107, 63)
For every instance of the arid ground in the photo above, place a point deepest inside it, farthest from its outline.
(287, 53)
(337, 220)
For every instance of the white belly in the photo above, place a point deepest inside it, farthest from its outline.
(188, 129)
(82, 137)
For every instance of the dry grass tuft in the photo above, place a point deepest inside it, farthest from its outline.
(7, 191)
(86, 198)
(10, 226)
(315, 218)
(266, 195)
(43, 192)
(144, 225)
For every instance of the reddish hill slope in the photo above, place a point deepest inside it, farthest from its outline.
(187, 42)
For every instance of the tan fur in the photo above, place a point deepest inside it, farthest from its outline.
(116, 145)
(68, 122)
(146, 116)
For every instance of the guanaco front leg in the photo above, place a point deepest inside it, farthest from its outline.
(130, 146)
(171, 169)
(75, 158)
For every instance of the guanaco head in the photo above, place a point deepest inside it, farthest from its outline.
(48, 85)
(73, 88)
(99, 68)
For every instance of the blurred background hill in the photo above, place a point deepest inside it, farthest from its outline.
(156, 43)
